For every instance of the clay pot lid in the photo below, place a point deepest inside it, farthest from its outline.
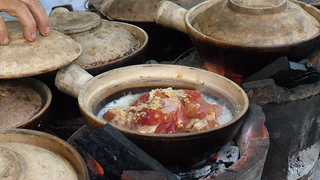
(107, 44)
(137, 10)
(40, 156)
(22, 58)
(10, 166)
(257, 23)
(31, 162)
(72, 22)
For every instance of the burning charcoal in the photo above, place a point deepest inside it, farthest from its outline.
(115, 153)
(228, 155)
(195, 174)
(217, 168)
(145, 175)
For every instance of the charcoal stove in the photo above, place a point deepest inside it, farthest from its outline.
(252, 140)
(291, 117)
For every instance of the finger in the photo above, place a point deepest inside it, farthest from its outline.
(39, 15)
(22, 13)
(4, 36)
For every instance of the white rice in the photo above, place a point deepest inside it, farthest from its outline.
(125, 102)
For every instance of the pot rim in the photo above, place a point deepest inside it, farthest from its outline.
(192, 13)
(46, 97)
(88, 111)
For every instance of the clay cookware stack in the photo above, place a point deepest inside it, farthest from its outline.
(25, 152)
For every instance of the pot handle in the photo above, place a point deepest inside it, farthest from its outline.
(104, 8)
(71, 78)
(170, 15)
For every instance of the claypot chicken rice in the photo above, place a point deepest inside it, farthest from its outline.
(166, 111)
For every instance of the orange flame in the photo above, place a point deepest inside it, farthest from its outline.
(94, 165)
(215, 68)
(221, 69)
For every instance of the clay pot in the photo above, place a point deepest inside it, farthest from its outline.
(137, 11)
(24, 103)
(34, 155)
(238, 38)
(105, 44)
(182, 148)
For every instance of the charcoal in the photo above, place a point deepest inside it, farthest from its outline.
(300, 73)
(288, 74)
(228, 155)
(116, 153)
(142, 175)
(279, 64)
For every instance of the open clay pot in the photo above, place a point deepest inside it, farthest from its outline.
(33, 155)
(238, 38)
(105, 44)
(24, 103)
(181, 148)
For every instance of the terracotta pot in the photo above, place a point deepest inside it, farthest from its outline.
(237, 38)
(94, 92)
(137, 11)
(24, 102)
(106, 44)
(22, 151)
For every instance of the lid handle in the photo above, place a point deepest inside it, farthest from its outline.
(259, 7)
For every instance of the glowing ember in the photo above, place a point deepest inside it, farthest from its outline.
(219, 68)
(94, 165)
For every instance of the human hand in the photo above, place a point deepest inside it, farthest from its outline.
(31, 15)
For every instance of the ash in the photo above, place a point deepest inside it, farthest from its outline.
(301, 163)
(228, 155)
